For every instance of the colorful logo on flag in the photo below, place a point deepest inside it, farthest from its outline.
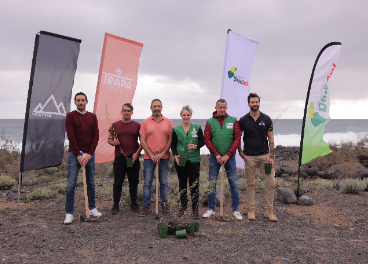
(237, 78)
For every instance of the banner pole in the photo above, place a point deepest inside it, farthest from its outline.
(25, 129)
(19, 184)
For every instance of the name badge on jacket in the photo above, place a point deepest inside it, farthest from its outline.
(230, 125)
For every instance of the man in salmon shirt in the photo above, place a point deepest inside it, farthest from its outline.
(155, 136)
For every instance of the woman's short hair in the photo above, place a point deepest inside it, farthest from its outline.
(186, 108)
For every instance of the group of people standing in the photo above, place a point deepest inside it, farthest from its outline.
(157, 134)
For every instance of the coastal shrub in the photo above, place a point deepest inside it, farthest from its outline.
(327, 184)
(44, 179)
(52, 170)
(258, 175)
(106, 190)
(343, 152)
(6, 182)
(242, 184)
(291, 179)
(352, 186)
(139, 195)
(349, 169)
(29, 181)
(260, 184)
(6, 156)
(41, 194)
(64, 163)
(60, 188)
(110, 171)
(280, 182)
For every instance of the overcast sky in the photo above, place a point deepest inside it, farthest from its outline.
(184, 46)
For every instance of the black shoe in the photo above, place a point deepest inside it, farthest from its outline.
(115, 209)
(196, 215)
(135, 208)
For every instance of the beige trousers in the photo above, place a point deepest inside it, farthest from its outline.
(258, 161)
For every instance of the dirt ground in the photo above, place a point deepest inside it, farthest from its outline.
(334, 230)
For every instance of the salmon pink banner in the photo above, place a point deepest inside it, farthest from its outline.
(116, 86)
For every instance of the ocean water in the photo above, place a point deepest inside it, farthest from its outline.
(287, 131)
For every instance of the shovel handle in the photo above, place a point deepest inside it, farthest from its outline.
(222, 192)
(85, 191)
(157, 189)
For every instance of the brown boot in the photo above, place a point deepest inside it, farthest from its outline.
(252, 214)
(166, 209)
(270, 214)
(144, 211)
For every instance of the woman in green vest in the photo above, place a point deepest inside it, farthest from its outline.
(187, 139)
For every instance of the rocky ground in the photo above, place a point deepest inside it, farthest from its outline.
(333, 230)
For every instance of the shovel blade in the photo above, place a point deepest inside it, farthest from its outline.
(85, 219)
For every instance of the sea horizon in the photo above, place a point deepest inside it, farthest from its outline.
(287, 132)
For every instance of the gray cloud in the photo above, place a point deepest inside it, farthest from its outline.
(184, 42)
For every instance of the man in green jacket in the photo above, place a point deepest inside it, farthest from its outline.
(222, 136)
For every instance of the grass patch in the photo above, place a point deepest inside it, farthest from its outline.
(7, 182)
(42, 194)
(354, 186)
(60, 188)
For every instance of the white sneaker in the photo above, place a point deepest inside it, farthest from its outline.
(94, 212)
(237, 215)
(209, 213)
(68, 219)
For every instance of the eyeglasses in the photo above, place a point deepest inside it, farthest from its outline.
(127, 111)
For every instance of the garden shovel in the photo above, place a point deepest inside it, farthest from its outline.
(82, 218)
(221, 217)
(156, 214)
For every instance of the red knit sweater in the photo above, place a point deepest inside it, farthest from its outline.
(82, 131)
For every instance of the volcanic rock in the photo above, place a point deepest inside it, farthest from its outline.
(286, 195)
(305, 201)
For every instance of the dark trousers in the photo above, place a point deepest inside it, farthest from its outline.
(120, 169)
(191, 172)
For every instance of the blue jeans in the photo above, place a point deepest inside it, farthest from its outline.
(73, 169)
(163, 175)
(230, 168)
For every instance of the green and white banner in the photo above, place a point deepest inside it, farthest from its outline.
(316, 113)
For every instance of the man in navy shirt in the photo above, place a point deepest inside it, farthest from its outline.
(258, 136)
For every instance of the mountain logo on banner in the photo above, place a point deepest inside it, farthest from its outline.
(50, 108)
(237, 78)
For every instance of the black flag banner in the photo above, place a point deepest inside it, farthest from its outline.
(54, 65)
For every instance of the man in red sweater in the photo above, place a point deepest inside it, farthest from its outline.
(82, 130)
